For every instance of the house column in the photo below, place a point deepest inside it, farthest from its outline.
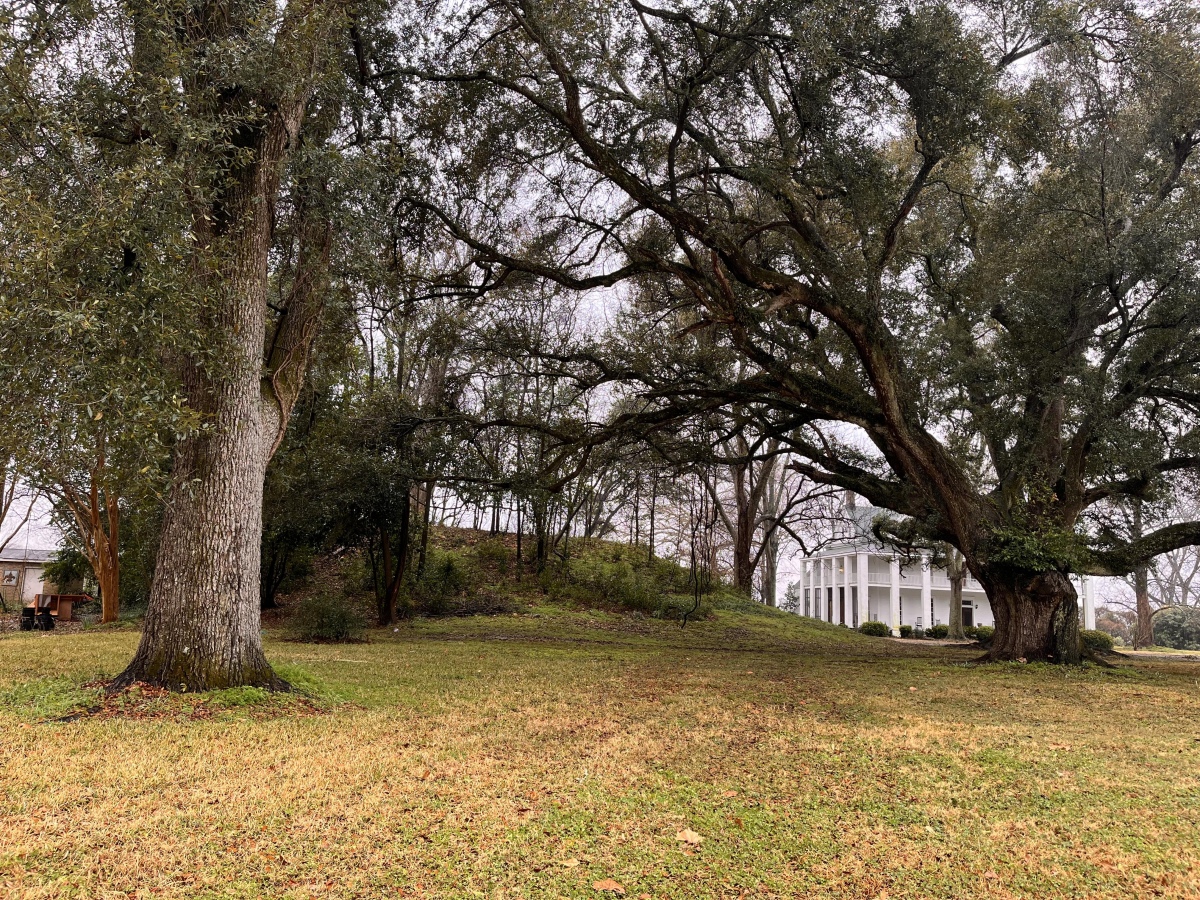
(809, 595)
(1089, 604)
(926, 591)
(820, 604)
(843, 613)
(894, 580)
(803, 586)
(861, 568)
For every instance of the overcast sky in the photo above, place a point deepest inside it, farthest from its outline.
(39, 534)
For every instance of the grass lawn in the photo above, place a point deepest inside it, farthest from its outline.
(538, 755)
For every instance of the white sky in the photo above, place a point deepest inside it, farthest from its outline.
(39, 534)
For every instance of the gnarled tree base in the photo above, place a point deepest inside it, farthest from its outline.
(1037, 618)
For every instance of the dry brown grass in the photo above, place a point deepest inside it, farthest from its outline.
(519, 757)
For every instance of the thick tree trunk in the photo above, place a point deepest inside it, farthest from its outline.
(202, 628)
(202, 625)
(1037, 617)
(1143, 629)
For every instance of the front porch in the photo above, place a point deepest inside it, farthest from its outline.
(849, 587)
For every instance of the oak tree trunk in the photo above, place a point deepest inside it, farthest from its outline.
(202, 628)
(1037, 616)
(1143, 629)
(202, 625)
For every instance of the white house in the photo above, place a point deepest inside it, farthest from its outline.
(856, 580)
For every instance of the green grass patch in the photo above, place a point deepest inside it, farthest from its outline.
(537, 753)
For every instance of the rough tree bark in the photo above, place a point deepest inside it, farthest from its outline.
(1037, 616)
(957, 573)
(1143, 628)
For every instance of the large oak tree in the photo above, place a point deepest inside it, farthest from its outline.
(184, 151)
(946, 237)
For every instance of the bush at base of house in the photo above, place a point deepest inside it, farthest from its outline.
(981, 633)
(938, 631)
(875, 629)
(326, 618)
(906, 631)
(1096, 641)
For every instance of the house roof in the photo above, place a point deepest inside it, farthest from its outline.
(34, 555)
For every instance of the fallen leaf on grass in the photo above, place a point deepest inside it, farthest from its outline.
(570, 863)
(608, 885)
(729, 793)
(689, 837)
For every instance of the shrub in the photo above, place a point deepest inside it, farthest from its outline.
(1096, 641)
(984, 634)
(357, 577)
(628, 581)
(1178, 628)
(494, 554)
(875, 629)
(326, 617)
(941, 632)
(447, 577)
(906, 631)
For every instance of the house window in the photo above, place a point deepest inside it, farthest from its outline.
(807, 602)
(829, 605)
(841, 606)
(854, 606)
